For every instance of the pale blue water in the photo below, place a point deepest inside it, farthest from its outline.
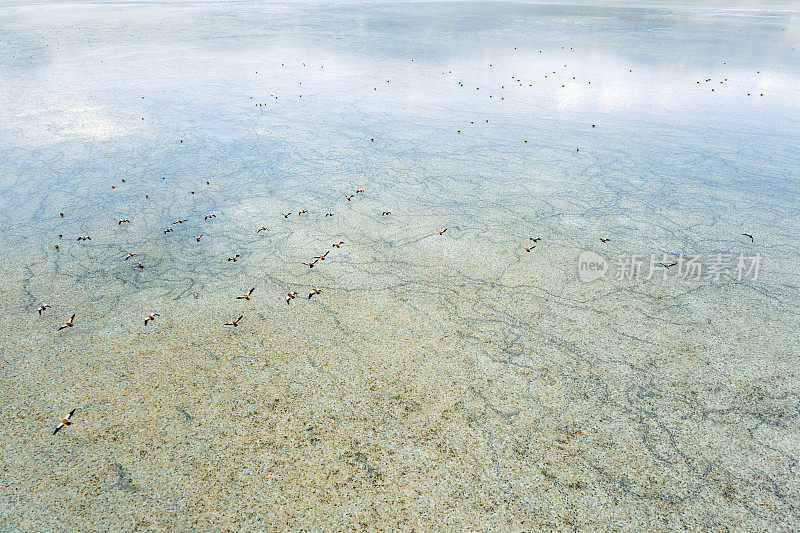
(545, 402)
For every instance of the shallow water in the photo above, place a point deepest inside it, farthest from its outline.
(438, 381)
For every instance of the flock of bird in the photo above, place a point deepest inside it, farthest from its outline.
(288, 296)
(291, 294)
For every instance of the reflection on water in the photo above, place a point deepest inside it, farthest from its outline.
(438, 379)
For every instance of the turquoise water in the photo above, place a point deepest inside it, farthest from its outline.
(438, 381)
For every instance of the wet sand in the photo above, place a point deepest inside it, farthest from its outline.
(438, 382)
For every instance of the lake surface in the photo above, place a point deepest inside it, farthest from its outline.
(442, 381)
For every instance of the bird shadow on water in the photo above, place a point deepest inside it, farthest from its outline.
(124, 480)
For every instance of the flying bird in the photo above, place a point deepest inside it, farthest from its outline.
(68, 323)
(749, 235)
(442, 232)
(84, 238)
(311, 263)
(322, 256)
(209, 216)
(42, 307)
(262, 228)
(246, 295)
(285, 215)
(150, 318)
(290, 296)
(338, 244)
(198, 237)
(130, 254)
(604, 240)
(234, 258)
(122, 221)
(64, 422)
(313, 292)
(233, 323)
